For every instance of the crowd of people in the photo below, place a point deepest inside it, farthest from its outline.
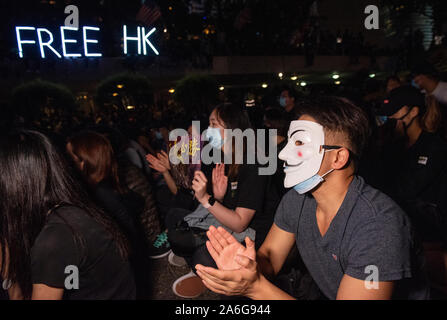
(359, 189)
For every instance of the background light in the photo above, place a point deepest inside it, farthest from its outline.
(337, 82)
(303, 83)
(171, 90)
(120, 86)
(280, 74)
(264, 85)
(372, 75)
(335, 76)
(293, 78)
(130, 107)
(221, 88)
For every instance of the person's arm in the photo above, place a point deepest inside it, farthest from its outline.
(354, 289)
(170, 182)
(238, 272)
(14, 292)
(44, 292)
(274, 251)
(237, 220)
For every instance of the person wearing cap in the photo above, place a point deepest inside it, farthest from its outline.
(414, 163)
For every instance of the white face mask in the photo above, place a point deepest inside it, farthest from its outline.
(303, 153)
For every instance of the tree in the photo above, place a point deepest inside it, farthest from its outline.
(197, 94)
(125, 91)
(43, 103)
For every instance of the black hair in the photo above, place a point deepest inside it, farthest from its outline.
(339, 115)
(34, 179)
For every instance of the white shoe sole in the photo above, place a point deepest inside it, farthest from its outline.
(176, 282)
(161, 255)
(171, 258)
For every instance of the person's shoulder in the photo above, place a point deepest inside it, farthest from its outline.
(375, 206)
(65, 214)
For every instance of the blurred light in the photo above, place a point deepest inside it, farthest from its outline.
(130, 107)
(206, 31)
(221, 88)
(339, 39)
(115, 94)
(372, 75)
(165, 30)
(52, 2)
(335, 76)
(303, 84)
(280, 74)
(337, 82)
(171, 90)
(170, 8)
(85, 97)
(264, 85)
(250, 103)
(293, 78)
(120, 86)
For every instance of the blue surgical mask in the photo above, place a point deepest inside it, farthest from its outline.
(282, 102)
(311, 183)
(214, 137)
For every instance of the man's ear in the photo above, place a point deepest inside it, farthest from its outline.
(341, 158)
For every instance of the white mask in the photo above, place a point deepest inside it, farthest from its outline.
(303, 159)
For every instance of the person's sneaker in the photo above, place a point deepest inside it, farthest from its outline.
(188, 286)
(176, 260)
(160, 248)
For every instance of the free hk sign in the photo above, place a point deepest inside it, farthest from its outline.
(76, 42)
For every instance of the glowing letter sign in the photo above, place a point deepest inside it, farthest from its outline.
(142, 38)
(45, 41)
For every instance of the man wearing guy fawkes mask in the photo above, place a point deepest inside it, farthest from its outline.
(414, 163)
(343, 228)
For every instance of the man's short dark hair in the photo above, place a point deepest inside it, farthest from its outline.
(339, 115)
(291, 91)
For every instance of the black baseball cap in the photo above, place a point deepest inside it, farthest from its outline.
(400, 97)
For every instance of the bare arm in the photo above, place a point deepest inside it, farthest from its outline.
(355, 289)
(274, 251)
(44, 292)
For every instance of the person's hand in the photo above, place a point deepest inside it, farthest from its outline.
(199, 186)
(156, 164)
(224, 248)
(235, 282)
(220, 181)
(164, 159)
(426, 83)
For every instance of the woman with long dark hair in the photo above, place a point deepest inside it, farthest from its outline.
(54, 243)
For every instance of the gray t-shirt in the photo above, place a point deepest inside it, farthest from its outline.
(369, 230)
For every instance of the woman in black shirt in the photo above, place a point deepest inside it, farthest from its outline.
(55, 244)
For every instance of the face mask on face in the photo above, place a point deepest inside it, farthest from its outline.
(303, 155)
(158, 135)
(214, 137)
(282, 102)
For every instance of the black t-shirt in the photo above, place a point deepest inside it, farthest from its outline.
(103, 273)
(247, 190)
(417, 179)
(370, 232)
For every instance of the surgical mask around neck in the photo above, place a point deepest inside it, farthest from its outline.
(311, 183)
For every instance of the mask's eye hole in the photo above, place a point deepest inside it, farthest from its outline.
(298, 143)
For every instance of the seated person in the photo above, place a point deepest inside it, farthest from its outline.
(355, 241)
(233, 195)
(55, 242)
